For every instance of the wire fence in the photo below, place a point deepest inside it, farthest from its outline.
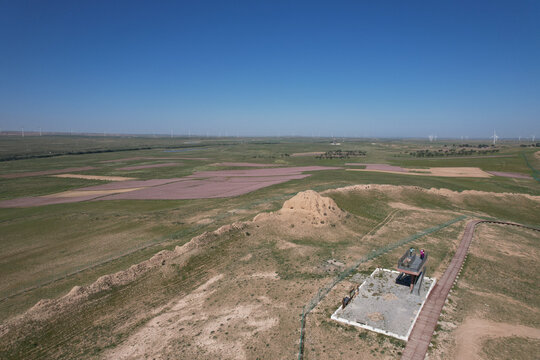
(535, 173)
(321, 294)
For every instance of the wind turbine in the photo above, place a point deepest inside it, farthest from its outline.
(533, 137)
(494, 137)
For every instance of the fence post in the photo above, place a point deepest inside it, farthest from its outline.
(373, 254)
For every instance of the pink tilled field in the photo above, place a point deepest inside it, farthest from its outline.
(510, 174)
(205, 188)
(205, 184)
(45, 172)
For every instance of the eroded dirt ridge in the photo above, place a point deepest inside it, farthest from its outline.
(308, 211)
(307, 207)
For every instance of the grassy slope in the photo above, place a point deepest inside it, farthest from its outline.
(77, 235)
(71, 223)
(498, 283)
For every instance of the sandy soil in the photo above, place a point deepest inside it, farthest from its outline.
(138, 167)
(473, 331)
(45, 172)
(154, 336)
(456, 172)
(94, 177)
(436, 171)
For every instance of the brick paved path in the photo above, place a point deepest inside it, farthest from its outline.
(420, 337)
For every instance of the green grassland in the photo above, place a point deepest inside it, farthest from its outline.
(47, 250)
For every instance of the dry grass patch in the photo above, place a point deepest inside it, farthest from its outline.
(496, 295)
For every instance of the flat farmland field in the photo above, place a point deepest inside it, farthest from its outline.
(135, 247)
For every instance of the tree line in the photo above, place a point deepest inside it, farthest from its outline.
(340, 154)
(452, 152)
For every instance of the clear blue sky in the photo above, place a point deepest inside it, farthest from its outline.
(343, 68)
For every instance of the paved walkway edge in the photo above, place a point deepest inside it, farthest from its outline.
(420, 337)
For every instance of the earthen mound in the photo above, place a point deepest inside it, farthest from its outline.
(312, 204)
(307, 207)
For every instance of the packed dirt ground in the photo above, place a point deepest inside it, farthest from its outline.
(237, 292)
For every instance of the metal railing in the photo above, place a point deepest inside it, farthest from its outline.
(321, 294)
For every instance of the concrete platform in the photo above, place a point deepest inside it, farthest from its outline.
(384, 306)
